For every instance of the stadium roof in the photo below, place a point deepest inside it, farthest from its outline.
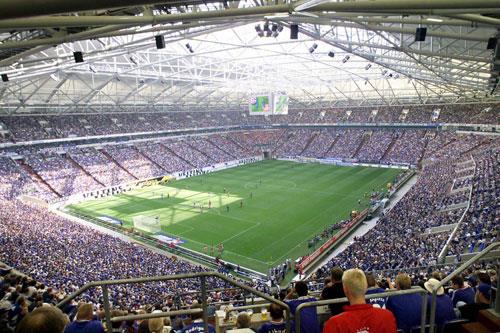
(376, 60)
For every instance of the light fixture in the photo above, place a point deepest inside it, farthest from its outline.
(434, 19)
(313, 48)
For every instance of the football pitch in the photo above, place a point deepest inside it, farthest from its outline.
(263, 213)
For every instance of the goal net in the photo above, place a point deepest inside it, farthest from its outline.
(147, 223)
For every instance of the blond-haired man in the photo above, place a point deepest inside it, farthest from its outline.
(359, 317)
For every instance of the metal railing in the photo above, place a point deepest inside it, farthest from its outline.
(442, 283)
(414, 290)
(202, 276)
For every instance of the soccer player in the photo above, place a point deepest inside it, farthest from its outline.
(227, 208)
(241, 204)
(359, 316)
(209, 204)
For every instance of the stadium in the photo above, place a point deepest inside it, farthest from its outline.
(249, 166)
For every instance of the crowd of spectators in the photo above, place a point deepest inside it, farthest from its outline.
(61, 173)
(376, 146)
(480, 226)
(27, 128)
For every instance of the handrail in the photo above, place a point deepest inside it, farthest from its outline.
(413, 290)
(444, 250)
(201, 275)
(155, 315)
(432, 320)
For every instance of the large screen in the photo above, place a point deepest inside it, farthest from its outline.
(280, 103)
(266, 104)
(260, 105)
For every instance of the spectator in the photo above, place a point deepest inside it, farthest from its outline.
(373, 288)
(85, 321)
(155, 325)
(308, 316)
(243, 322)
(277, 323)
(462, 294)
(359, 316)
(406, 308)
(197, 324)
(444, 305)
(334, 290)
(46, 319)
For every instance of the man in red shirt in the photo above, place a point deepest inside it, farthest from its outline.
(359, 317)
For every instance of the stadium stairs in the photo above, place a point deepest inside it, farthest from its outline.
(238, 144)
(395, 138)
(364, 139)
(78, 166)
(112, 160)
(220, 148)
(200, 151)
(311, 139)
(337, 137)
(178, 155)
(281, 141)
(150, 160)
(422, 153)
(36, 177)
(486, 322)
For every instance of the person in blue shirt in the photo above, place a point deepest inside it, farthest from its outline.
(197, 325)
(406, 308)
(308, 316)
(84, 322)
(277, 323)
(462, 294)
(373, 288)
(444, 305)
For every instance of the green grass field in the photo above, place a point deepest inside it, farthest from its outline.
(284, 205)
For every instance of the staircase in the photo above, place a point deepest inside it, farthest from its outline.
(337, 136)
(178, 156)
(220, 148)
(395, 137)
(200, 151)
(36, 177)
(78, 166)
(238, 144)
(112, 160)
(427, 140)
(150, 160)
(364, 139)
(311, 139)
(487, 322)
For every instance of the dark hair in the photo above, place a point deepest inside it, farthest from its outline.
(337, 273)
(458, 280)
(46, 319)
(301, 288)
(370, 279)
(195, 316)
(276, 311)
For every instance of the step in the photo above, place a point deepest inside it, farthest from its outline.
(489, 319)
(475, 328)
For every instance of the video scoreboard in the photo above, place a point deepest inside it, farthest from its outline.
(267, 104)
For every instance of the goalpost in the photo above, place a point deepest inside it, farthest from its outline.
(147, 223)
